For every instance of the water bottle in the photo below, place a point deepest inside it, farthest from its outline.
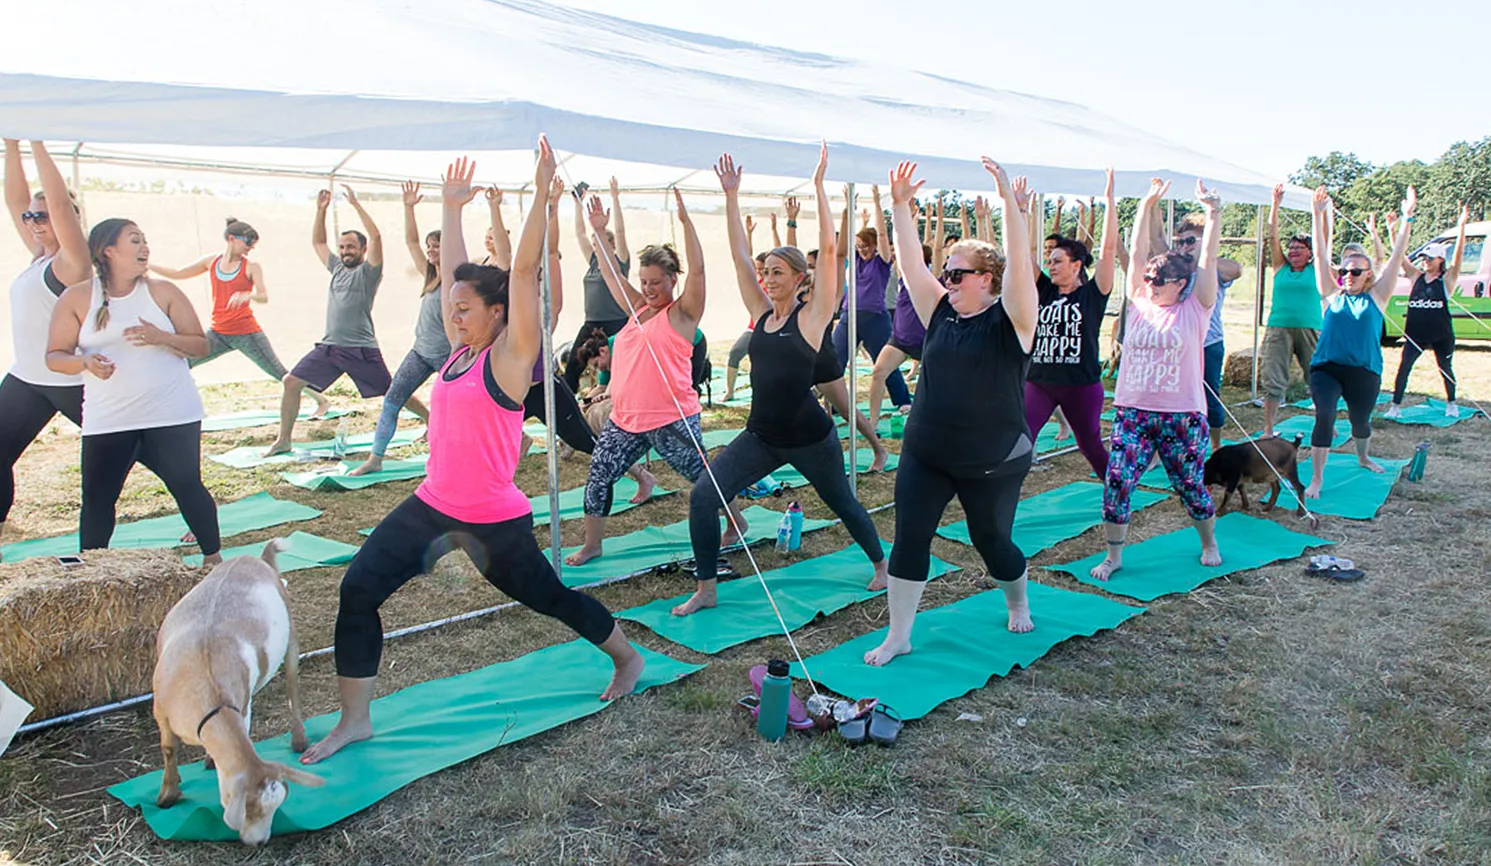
(339, 442)
(794, 523)
(776, 689)
(1420, 462)
(784, 533)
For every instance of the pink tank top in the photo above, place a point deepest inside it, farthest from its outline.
(641, 400)
(474, 436)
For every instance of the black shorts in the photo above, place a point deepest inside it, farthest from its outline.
(326, 363)
(912, 352)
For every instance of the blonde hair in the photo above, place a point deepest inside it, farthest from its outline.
(983, 256)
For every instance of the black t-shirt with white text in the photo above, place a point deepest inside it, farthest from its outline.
(1427, 319)
(1066, 336)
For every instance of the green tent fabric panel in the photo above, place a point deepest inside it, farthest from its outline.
(305, 551)
(419, 730)
(259, 511)
(1430, 413)
(1047, 519)
(259, 418)
(959, 647)
(803, 590)
(252, 456)
(660, 545)
(1171, 563)
(791, 478)
(1350, 489)
(336, 477)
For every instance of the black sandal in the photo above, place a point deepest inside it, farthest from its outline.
(885, 725)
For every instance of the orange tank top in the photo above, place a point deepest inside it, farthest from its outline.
(232, 321)
(641, 398)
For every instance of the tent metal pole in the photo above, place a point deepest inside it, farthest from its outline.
(852, 312)
(1260, 267)
(546, 350)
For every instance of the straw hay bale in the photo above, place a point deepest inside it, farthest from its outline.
(76, 637)
(1237, 371)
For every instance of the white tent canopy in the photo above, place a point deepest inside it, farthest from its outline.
(342, 84)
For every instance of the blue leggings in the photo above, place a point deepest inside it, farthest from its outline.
(873, 332)
(412, 372)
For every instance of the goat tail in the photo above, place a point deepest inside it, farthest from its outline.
(274, 546)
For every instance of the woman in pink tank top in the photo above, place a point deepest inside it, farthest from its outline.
(468, 498)
(653, 401)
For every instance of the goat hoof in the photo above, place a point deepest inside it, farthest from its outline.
(300, 744)
(209, 764)
(167, 799)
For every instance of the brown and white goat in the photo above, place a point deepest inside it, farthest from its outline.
(217, 647)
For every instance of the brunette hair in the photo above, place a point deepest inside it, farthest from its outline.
(104, 235)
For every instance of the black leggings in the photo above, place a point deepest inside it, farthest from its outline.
(24, 410)
(1444, 354)
(411, 539)
(173, 453)
(569, 420)
(922, 494)
(747, 460)
(573, 369)
(1329, 382)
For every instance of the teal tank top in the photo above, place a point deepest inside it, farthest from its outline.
(1351, 334)
(1296, 300)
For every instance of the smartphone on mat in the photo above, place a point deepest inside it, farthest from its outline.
(69, 561)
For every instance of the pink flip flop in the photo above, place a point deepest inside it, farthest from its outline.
(797, 711)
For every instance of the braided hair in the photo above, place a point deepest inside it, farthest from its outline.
(104, 235)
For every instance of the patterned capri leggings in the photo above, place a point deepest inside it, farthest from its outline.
(616, 450)
(1181, 438)
(254, 346)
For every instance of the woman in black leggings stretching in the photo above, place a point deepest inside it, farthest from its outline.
(786, 425)
(967, 434)
(1427, 324)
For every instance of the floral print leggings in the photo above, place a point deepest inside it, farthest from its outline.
(1181, 438)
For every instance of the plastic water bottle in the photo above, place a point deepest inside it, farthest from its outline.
(794, 523)
(776, 689)
(339, 442)
(1420, 462)
(784, 533)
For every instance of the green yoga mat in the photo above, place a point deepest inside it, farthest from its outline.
(958, 647)
(660, 545)
(712, 439)
(258, 418)
(1304, 425)
(335, 476)
(418, 731)
(572, 503)
(1171, 562)
(1431, 413)
(803, 590)
(791, 478)
(1308, 404)
(251, 456)
(1047, 519)
(885, 429)
(259, 511)
(305, 551)
(1350, 490)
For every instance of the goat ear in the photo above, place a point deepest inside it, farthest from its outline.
(233, 811)
(299, 777)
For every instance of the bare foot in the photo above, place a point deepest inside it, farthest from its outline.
(729, 395)
(878, 464)
(1063, 433)
(212, 559)
(882, 576)
(323, 408)
(344, 734)
(280, 446)
(1367, 463)
(374, 463)
(732, 537)
(624, 681)
(1020, 618)
(1211, 556)
(1106, 568)
(582, 556)
(644, 487)
(700, 600)
(882, 654)
(188, 538)
(1312, 492)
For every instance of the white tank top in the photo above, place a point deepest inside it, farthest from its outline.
(151, 386)
(31, 306)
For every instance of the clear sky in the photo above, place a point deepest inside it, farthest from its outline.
(1263, 84)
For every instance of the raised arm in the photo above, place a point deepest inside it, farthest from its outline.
(195, 269)
(793, 208)
(73, 262)
(690, 305)
(1021, 301)
(623, 252)
(1056, 221)
(1387, 280)
(626, 295)
(513, 366)
(1205, 289)
(776, 236)
(925, 290)
(1108, 252)
(939, 249)
(582, 234)
(411, 196)
(1452, 276)
(882, 237)
(963, 220)
(556, 277)
(845, 246)
(1275, 251)
(375, 238)
(1320, 205)
(826, 281)
(750, 229)
(1139, 255)
(318, 228)
(456, 192)
(18, 195)
(756, 302)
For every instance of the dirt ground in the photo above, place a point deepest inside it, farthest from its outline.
(1266, 717)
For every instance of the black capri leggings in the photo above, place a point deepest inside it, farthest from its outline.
(24, 410)
(922, 494)
(173, 453)
(569, 420)
(747, 460)
(1444, 355)
(1329, 382)
(408, 543)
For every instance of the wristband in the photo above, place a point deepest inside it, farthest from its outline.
(791, 224)
(1409, 219)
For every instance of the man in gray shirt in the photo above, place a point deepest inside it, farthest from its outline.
(349, 346)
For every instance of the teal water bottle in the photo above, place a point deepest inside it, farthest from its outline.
(776, 689)
(794, 522)
(1420, 462)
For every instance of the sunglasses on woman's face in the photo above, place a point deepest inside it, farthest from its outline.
(40, 217)
(1355, 272)
(1187, 241)
(1161, 279)
(954, 276)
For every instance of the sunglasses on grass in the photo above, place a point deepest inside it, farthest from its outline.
(954, 276)
(40, 217)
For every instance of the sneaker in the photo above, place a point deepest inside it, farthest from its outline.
(1395, 411)
(1451, 410)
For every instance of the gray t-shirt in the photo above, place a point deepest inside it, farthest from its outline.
(430, 340)
(599, 305)
(349, 304)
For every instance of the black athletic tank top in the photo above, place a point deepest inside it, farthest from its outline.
(968, 415)
(1428, 316)
(783, 411)
(826, 366)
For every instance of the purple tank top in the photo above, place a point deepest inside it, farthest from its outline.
(906, 327)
